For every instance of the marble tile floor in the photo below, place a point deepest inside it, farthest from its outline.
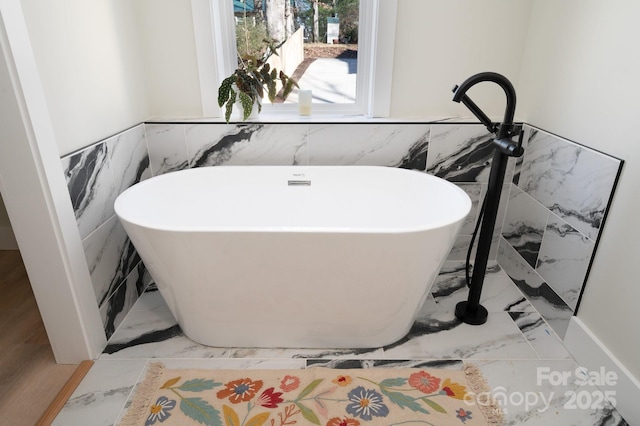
(516, 350)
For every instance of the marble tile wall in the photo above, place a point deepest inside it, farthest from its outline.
(95, 177)
(556, 210)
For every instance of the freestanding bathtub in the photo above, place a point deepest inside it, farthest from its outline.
(270, 256)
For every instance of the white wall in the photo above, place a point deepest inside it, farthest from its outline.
(169, 53)
(89, 58)
(126, 61)
(580, 80)
(441, 43)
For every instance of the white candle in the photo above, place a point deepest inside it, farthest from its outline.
(304, 102)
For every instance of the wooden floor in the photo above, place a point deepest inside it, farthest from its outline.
(29, 375)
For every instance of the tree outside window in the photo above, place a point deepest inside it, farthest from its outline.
(317, 42)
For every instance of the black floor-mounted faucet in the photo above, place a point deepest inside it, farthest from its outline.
(471, 311)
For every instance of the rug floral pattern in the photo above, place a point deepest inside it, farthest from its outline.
(316, 396)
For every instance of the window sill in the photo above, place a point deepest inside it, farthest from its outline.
(287, 118)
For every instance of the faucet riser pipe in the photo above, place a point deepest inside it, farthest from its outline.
(471, 311)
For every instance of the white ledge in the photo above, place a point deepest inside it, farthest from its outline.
(320, 118)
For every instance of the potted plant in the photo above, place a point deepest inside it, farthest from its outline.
(249, 82)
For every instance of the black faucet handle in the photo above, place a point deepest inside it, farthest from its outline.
(491, 126)
(506, 144)
(515, 130)
(508, 147)
(510, 130)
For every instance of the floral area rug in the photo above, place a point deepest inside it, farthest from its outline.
(312, 396)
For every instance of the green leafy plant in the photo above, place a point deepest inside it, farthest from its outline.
(251, 80)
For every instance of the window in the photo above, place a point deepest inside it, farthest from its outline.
(316, 40)
(214, 26)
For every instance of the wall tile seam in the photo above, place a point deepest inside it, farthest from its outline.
(531, 197)
(522, 259)
(111, 175)
(81, 150)
(544, 231)
(560, 218)
(550, 212)
(576, 144)
(534, 271)
(117, 287)
(570, 225)
(306, 146)
(98, 228)
(186, 147)
(535, 268)
(147, 285)
(498, 226)
(493, 252)
(110, 294)
(92, 144)
(507, 198)
(123, 282)
(112, 172)
(583, 280)
(146, 145)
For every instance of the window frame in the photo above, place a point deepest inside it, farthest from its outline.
(214, 31)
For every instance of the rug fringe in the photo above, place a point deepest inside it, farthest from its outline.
(138, 409)
(488, 405)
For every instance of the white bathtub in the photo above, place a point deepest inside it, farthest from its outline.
(269, 256)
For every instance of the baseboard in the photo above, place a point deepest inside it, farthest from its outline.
(7, 239)
(592, 354)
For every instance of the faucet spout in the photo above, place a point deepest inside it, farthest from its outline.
(460, 96)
